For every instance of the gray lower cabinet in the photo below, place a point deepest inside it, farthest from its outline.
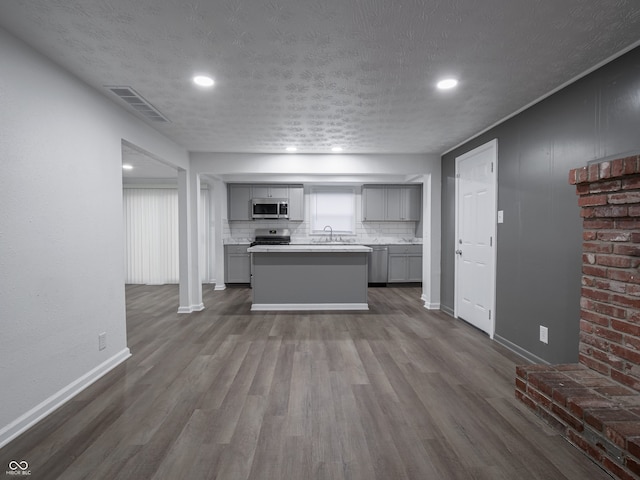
(405, 263)
(237, 264)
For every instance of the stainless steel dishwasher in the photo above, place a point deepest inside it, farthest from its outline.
(378, 263)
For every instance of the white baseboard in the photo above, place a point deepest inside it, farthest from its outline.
(185, 309)
(308, 306)
(197, 308)
(220, 286)
(428, 305)
(59, 398)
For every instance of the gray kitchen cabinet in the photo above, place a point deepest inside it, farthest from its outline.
(391, 203)
(296, 203)
(238, 202)
(405, 263)
(373, 203)
(270, 191)
(237, 264)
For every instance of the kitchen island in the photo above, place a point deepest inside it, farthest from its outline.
(309, 277)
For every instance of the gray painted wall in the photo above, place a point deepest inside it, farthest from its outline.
(539, 244)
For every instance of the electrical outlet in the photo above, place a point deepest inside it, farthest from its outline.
(102, 341)
(500, 216)
(544, 334)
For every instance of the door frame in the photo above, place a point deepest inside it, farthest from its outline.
(492, 144)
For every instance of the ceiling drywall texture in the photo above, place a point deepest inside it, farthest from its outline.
(359, 74)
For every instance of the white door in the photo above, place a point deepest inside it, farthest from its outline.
(476, 173)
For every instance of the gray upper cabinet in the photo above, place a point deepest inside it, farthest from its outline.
(238, 201)
(373, 203)
(270, 191)
(296, 203)
(391, 203)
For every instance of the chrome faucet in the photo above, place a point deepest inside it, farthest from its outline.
(330, 232)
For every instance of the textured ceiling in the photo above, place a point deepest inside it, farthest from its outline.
(317, 73)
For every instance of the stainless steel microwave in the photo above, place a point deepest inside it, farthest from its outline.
(270, 208)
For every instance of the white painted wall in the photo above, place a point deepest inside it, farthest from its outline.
(61, 232)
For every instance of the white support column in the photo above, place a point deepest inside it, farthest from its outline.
(431, 224)
(194, 239)
(219, 214)
(184, 241)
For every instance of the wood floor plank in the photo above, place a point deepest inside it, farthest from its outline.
(396, 392)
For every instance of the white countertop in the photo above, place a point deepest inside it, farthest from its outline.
(346, 248)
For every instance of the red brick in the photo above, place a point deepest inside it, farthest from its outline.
(597, 224)
(595, 318)
(582, 189)
(614, 261)
(614, 236)
(632, 290)
(608, 212)
(585, 326)
(538, 397)
(588, 258)
(590, 200)
(523, 371)
(633, 342)
(526, 400)
(616, 469)
(633, 250)
(587, 212)
(572, 176)
(614, 391)
(598, 418)
(585, 446)
(625, 301)
(553, 421)
(625, 353)
(609, 334)
(618, 198)
(597, 247)
(617, 167)
(624, 327)
(582, 175)
(608, 186)
(625, 379)
(630, 165)
(627, 224)
(600, 295)
(618, 432)
(629, 276)
(521, 385)
(588, 235)
(635, 237)
(603, 308)
(633, 445)
(594, 172)
(579, 406)
(573, 389)
(611, 360)
(632, 465)
(605, 170)
(595, 271)
(634, 211)
(630, 183)
(594, 364)
(569, 419)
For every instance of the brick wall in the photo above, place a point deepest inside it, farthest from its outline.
(609, 197)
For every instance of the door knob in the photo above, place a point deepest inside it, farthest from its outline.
(458, 252)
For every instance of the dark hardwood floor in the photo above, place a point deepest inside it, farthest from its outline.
(397, 392)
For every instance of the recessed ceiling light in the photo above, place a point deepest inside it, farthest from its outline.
(447, 83)
(127, 167)
(203, 81)
(291, 149)
(336, 149)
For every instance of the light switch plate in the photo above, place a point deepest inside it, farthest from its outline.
(500, 216)
(544, 334)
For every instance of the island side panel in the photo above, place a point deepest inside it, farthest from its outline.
(309, 277)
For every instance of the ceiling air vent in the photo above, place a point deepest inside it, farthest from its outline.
(138, 103)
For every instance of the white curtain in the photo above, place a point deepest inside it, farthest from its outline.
(151, 235)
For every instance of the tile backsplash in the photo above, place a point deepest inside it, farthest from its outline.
(366, 232)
